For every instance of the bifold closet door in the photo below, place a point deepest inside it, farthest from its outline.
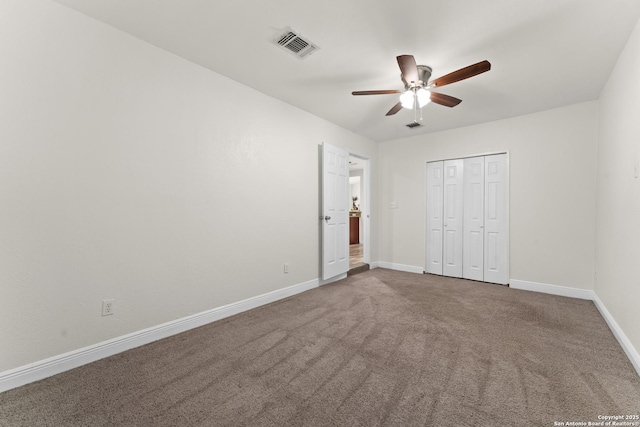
(452, 218)
(495, 219)
(467, 222)
(473, 235)
(435, 182)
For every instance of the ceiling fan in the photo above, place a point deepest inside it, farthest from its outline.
(417, 87)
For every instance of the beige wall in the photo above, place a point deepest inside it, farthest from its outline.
(129, 173)
(552, 161)
(618, 190)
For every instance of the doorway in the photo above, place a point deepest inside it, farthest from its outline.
(336, 205)
(359, 214)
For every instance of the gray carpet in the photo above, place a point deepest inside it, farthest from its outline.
(379, 348)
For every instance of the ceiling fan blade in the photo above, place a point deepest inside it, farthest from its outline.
(375, 92)
(446, 100)
(461, 74)
(409, 68)
(394, 109)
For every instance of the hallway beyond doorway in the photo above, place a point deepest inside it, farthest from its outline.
(356, 258)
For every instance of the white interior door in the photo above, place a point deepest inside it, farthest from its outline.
(473, 226)
(495, 222)
(453, 214)
(335, 211)
(435, 176)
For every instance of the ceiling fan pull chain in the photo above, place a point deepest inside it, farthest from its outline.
(415, 105)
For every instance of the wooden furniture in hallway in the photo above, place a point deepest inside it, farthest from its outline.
(354, 227)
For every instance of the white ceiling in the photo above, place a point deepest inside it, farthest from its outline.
(544, 53)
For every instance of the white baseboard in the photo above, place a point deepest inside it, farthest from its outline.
(76, 358)
(562, 291)
(624, 342)
(626, 345)
(400, 267)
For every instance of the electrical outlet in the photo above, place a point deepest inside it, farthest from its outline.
(286, 268)
(393, 205)
(107, 307)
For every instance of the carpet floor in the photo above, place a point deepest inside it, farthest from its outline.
(381, 348)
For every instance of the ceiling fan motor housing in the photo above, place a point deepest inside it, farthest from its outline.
(424, 74)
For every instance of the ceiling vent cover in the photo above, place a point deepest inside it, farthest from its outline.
(413, 125)
(295, 44)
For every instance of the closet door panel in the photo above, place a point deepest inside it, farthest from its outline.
(495, 250)
(453, 215)
(435, 198)
(473, 225)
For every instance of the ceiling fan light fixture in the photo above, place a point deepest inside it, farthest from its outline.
(406, 98)
(424, 97)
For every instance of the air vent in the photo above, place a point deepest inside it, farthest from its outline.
(414, 125)
(295, 44)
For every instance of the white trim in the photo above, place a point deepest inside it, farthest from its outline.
(400, 267)
(508, 213)
(552, 289)
(626, 345)
(73, 359)
(468, 156)
(624, 342)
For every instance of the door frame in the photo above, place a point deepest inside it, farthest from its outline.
(507, 196)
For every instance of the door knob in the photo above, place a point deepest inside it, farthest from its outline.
(327, 218)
